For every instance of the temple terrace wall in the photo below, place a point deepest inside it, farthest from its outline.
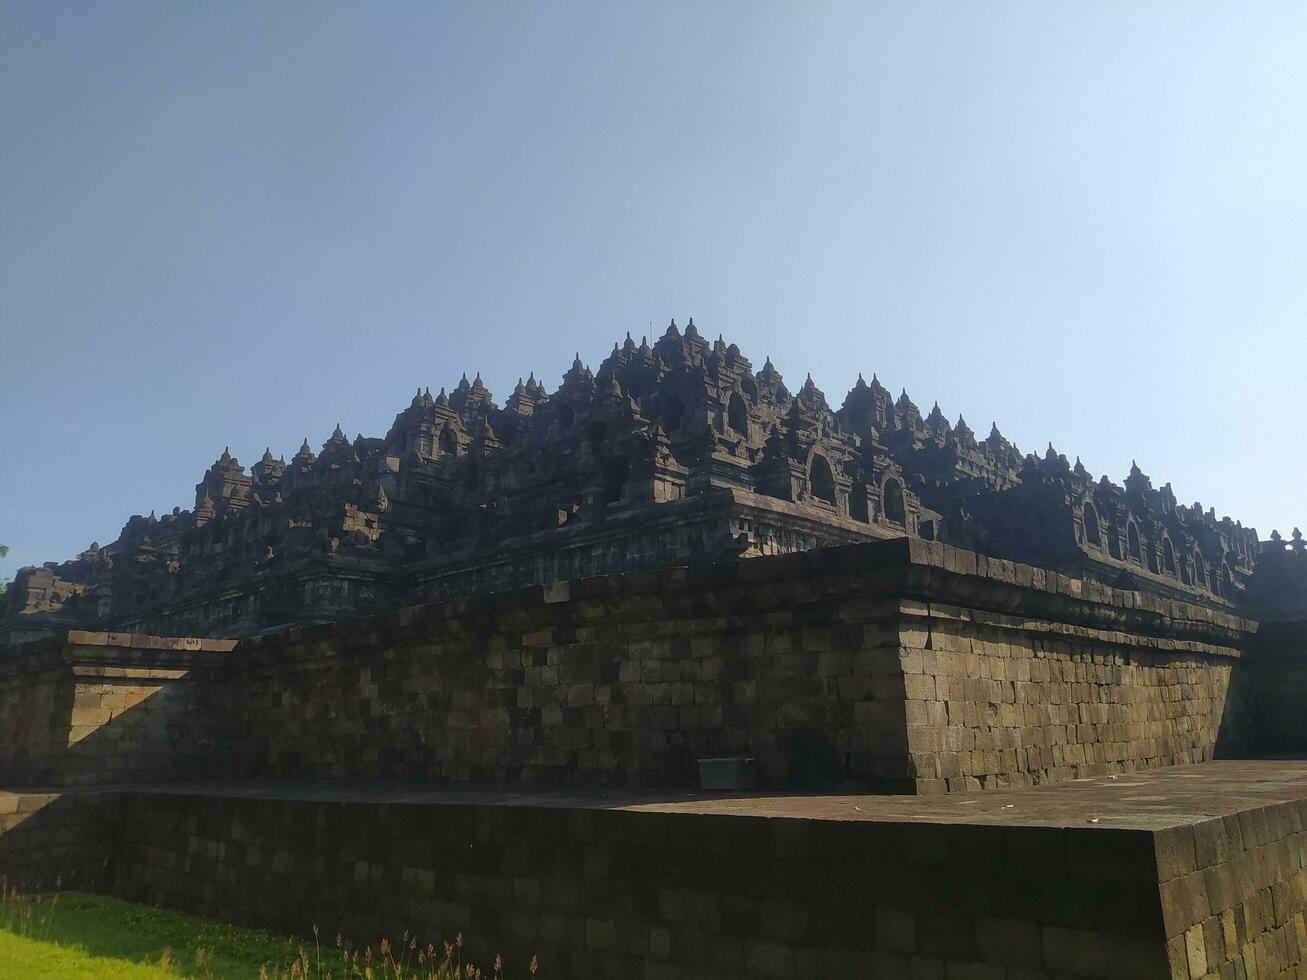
(1183, 872)
(898, 665)
(92, 708)
(1278, 682)
(902, 665)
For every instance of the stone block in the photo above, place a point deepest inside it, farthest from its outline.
(895, 930)
(1012, 942)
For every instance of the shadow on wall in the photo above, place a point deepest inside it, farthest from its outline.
(52, 842)
(1266, 704)
(84, 713)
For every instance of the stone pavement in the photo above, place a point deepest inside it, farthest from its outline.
(1155, 799)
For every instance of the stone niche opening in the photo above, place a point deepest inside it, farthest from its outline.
(822, 479)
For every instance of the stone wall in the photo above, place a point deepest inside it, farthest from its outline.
(103, 708)
(1188, 874)
(899, 665)
(53, 841)
(614, 893)
(584, 687)
(1278, 679)
(999, 700)
(1233, 892)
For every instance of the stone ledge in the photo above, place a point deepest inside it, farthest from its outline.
(1182, 873)
(103, 650)
(906, 567)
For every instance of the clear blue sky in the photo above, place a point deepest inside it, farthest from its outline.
(237, 224)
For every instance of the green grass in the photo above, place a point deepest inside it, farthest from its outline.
(75, 936)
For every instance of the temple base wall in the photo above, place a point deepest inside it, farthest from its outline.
(903, 666)
(105, 708)
(1184, 873)
(996, 700)
(1278, 678)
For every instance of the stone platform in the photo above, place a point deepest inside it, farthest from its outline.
(1181, 872)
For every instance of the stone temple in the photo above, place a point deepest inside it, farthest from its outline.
(515, 671)
(669, 454)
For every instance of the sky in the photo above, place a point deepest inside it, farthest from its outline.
(238, 224)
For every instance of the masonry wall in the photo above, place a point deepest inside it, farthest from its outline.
(644, 892)
(1001, 700)
(1278, 669)
(1233, 893)
(35, 701)
(54, 841)
(620, 894)
(897, 665)
(103, 708)
(625, 688)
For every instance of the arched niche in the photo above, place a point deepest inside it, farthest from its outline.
(616, 472)
(1093, 536)
(737, 416)
(858, 507)
(821, 479)
(448, 442)
(673, 412)
(895, 510)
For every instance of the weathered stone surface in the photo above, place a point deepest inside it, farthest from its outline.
(103, 708)
(721, 885)
(875, 665)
